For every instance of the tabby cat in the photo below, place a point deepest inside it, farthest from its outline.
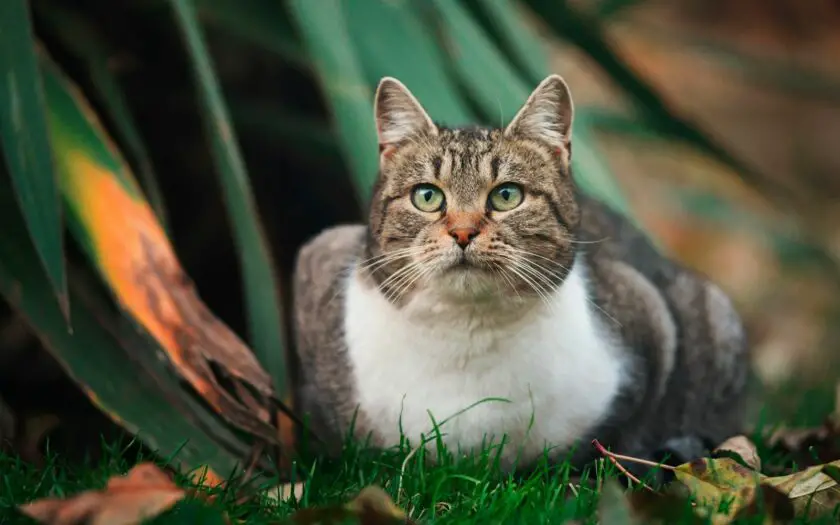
(487, 298)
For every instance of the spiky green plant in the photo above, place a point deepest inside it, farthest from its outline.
(98, 92)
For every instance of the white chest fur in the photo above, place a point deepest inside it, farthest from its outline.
(555, 361)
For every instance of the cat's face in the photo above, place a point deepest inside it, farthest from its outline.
(473, 212)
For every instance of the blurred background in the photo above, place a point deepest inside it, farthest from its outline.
(712, 123)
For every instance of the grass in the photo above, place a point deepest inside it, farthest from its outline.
(455, 490)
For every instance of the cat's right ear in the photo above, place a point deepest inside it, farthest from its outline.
(399, 116)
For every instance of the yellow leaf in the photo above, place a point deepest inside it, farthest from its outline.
(722, 486)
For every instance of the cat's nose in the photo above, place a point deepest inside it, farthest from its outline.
(463, 236)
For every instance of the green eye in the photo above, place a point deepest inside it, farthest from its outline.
(426, 197)
(506, 197)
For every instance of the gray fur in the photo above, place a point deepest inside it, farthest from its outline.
(688, 348)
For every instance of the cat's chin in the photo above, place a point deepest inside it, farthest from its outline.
(465, 281)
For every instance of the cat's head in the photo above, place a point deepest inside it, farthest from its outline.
(473, 212)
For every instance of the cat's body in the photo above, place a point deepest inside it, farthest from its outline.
(504, 282)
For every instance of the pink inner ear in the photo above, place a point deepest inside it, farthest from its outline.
(386, 150)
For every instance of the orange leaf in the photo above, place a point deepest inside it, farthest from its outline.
(143, 493)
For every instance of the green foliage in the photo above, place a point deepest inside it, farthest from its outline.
(26, 146)
(273, 97)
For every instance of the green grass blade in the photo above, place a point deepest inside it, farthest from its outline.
(323, 29)
(83, 41)
(145, 400)
(261, 286)
(500, 92)
(263, 22)
(521, 44)
(386, 34)
(26, 145)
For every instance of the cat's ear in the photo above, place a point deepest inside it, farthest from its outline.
(398, 114)
(547, 114)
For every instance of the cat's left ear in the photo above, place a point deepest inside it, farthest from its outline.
(547, 114)
(399, 115)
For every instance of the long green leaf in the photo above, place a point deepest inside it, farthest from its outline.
(385, 33)
(262, 22)
(499, 91)
(524, 47)
(586, 33)
(80, 38)
(261, 286)
(25, 142)
(146, 400)
(323, 28)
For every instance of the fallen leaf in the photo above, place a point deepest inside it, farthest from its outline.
(720, 485)
(769, 502)
(372, 506)
(743, 447)
(144, 492)
(812, 491)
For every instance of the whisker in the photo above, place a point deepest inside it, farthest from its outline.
(417, 276)
(589, 300)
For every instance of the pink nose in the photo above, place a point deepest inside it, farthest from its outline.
(463, 236)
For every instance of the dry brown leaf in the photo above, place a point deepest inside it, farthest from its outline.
(812, 491)
(144, 492)
(372, 506)
(745, 448)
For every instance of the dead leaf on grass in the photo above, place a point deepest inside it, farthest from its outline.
(144, 492)
(372, 506)
(812, 491)
(743, 447)
(721, 485)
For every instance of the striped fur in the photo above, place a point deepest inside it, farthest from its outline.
(655, 352)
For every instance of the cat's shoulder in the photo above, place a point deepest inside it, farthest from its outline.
(323, 260)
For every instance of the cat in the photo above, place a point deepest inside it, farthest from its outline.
(487, 298)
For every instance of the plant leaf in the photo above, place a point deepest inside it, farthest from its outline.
(387, 32)
(80, 38)
(586, 33)
(262, 295)
(147, 399)
(25, 143)
(263, 22)
(721, 485)
(137, 262)
(812, 491)
(743, 447)
(323, 29)
(144, 492)
(522, 44)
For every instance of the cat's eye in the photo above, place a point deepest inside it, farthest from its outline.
(506, 197)
(427, 197)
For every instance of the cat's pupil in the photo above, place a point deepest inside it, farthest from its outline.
(427, 195)
(505, 194)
